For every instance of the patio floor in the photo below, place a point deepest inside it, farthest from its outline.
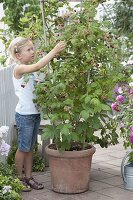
(106, 181)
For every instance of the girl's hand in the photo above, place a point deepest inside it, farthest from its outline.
(59, 47)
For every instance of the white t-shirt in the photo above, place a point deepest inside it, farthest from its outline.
(24, 92)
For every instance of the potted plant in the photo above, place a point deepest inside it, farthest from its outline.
(123, 108)
(76, 97)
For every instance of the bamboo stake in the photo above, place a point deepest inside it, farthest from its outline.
(44, 27)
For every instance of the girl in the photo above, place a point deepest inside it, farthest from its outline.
(27, 116)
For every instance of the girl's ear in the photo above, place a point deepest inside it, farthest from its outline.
(18, 56)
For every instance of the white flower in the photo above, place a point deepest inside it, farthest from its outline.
(81, 120)
(1, 135)
(67, 121)
(120, 90)
(131, 84)
(4, 130)
(132, 76)
(6, 188)
(4, 148)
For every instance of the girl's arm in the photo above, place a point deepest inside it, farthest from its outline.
(22, 68)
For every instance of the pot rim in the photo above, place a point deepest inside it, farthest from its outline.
(69, 154)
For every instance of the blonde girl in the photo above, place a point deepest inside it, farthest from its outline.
(22, 54)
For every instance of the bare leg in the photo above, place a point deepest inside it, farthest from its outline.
(19, 162)
(28, 161)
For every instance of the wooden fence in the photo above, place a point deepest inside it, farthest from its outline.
(8, 101)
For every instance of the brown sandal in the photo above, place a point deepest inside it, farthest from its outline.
(26, 188)
(34, 184)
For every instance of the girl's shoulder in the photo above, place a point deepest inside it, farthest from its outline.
(14, 65)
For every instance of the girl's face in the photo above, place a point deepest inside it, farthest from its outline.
(26, 54)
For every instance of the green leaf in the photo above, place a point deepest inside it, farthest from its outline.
(68, 102)
(88, 99)
(66, 129)
(105, 107)
(96, 123)
(84, 114)
(97, 109)
(95, 101)
(49, 132)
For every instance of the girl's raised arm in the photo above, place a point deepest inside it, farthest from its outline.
(22, 68)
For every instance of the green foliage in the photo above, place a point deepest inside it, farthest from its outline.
(11, 155)
(25, 19)
(38, 161)
(6, 170)
(120, 16)
(124, 111)
(75, 97)
(14, 10)
(130, 160)
(124, 17)
(2, 59)
(8, 179)
(123, 24)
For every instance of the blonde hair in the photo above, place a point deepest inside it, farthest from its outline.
(15, 47)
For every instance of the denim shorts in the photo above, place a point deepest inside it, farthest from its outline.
(28, 126)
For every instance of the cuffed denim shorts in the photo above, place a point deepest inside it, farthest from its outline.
(28, 126)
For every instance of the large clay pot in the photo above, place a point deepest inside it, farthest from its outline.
(70, 170)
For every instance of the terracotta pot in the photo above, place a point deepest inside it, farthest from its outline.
(70, 170)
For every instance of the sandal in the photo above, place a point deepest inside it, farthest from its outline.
(26, 188)
(34, 184)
